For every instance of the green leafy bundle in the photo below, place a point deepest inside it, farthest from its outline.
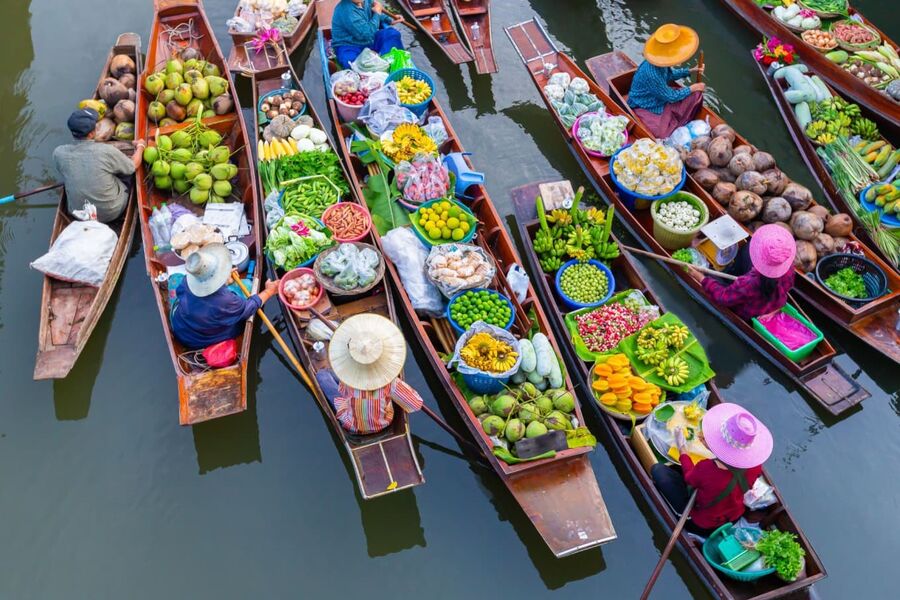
(304, 164)
(782, 552)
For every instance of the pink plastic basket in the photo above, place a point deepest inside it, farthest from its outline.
(356, 208)
(577, 124)
(293, 275)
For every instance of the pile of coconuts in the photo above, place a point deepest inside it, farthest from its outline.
(750, 186)
(116, 104)
(186, 87)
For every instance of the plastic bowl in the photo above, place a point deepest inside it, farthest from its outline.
(417, 109)
(348, 112)
(629, 197)
(577, 125)
(711, 554)
(460, 330)
(357, 208)
(574, 305)
(265, 119)
(293, 275)
(473, 221)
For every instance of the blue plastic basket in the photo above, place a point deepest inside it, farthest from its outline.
(628, 197)
(711, 554)
(460, 330)
(313, 258)
(484, 384)
(572, 304)
(263, 118)
(417, 229)
(417, 109)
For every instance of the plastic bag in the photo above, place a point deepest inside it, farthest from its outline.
(399, 59)
(408, 254)
(457, 267)
(387, 118)
(680, 138)
(345, 82)
(760, 496)
(272, 208)
(436, 130)
(296, 8)
(495, 332)
(554, 92)
(425, 178)
(383, 97)
(602, 133)
(369, 61)
(223, 354)
(579, 85)
(518, 281)
(372, 82)
(789, 330)
(561, 79)
(239, 25)
(699, 127)
(80, 254)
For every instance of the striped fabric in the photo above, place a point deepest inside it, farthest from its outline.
(362, 412)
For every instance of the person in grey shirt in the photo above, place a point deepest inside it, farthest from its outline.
(95, 172)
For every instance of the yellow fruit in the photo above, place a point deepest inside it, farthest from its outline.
(446, 233)
(609, 399)
(464, 225)
(445, 215)
(601, 385)
(452, 222)
(603, 369)
(434, 233)
(458, 234)
(441, 223)
(454, 211)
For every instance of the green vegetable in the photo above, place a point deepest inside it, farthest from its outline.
(304, 164)
(545, 355)
(378, 192)
(289, 248)
(310, 197)
(480, 306)
(584, 283)
(782, 552)
(847, 282)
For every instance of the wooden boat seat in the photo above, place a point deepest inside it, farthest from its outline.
(470, 12)
(428, 12)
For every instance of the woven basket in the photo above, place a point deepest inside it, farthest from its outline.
(328, 282)
(820, 49)
(669, 238)
(854, 47)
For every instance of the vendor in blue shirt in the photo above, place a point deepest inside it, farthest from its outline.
(360, 24)
(660, 107)
(206, 310)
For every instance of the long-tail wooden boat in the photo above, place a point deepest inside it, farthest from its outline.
(875, 323)
(560, 495)
(384, 462)
(203, 393)
(627, 277)
(274, 58)
(815, 163)
(435, 21)
(70, 311)
(818, 375)
(758, 19)
(474, 18)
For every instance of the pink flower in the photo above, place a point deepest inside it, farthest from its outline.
(758, 53)
(773, 43)
(266, 36)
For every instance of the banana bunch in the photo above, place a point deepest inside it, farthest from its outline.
(652, 346)
(674, 370)
(543, 241)
(677, 335)
(550, 263)
(603, 249)
(864, 128)
(560, 218)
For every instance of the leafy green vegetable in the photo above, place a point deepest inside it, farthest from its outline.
(380, 195)
(304, 164)
(294, 240)
(782, 552)
(847, 282)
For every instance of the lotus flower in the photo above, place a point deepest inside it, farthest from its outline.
(266, 36)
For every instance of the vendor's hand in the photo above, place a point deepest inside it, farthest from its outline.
(698, 87)
(698, 70)
(139, 143)
(271, 287)
(695, 274)
(377, 8)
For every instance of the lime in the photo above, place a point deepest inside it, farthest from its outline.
(458, 234)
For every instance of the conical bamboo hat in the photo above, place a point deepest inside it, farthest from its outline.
(367, 352)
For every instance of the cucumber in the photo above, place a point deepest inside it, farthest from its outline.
(822, 92)
(798, 96)
(783, 71)
(804, 117)
(837, 56)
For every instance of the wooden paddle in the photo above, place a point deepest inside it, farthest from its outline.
(675, 261)
(396, 16)
(303, 374)
(700, 68)
(668, 549)
(434, 417)
(45, 188)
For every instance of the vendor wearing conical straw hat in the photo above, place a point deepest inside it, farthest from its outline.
(367, 353)
(661, 107)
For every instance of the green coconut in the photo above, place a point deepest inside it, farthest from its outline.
(558, 421)
(160, 168)
(530, 390)
(155, 83)
(535, 429)
(162, 182)
(174, 66)
(173, 80)
(234, 170)
(181, 185)
(192, 169)
(222, 188)
(217, 85)
(200, 89)
(219, 154)
(151, 154)
(208, 138)
(564, 402)
(515, 430)
(544, 404)
(181, 139)
(194, 108)
(211, 70)
(202, 181)
(199, 196)
(183, 94)
(191, 64)
(216, 199)
(164, 143)
(200, 156)
(493, 425)
(478, 404)
(181, 155)
(483, 416)
(156, 111)
(192, 75)
(166, 96)
(177, 170)
(221, 172)
(207, 114)
(167, 121)
(528, 412)
(503, 405)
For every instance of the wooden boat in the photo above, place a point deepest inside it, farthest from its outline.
(474, 17)
(203, 393)
(559, 495)
(622, 435)
(70, 311)
(383, 462)
(877, 323)
(814, 162)
(247, 61)
(818, 375)
(442, 32)
(758, 19)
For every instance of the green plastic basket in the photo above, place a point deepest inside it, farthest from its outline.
(713, 557)
(669, 238)
(801, 352)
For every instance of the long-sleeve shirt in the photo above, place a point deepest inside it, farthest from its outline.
(91, 171)
(363, 411)
(650, 87)
(710, 481)
(198, 322)
(744, 295)
(353, 25)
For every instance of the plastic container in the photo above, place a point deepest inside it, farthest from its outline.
(293, 275)
(889, 220)
(572, 304)
(577, 125)
(473, 222)
(713, 557)
(803, 351)
(359, 209)
(280, 91)
(460, 330)
(669, 238)
(628, 197)
(417, 109)
(348, 112)
(484, 384)
(873, 276)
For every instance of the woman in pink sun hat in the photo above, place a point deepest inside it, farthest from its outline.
(765, 268)
(741, 444)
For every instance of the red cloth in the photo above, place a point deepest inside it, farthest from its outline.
(672, 117)
(709, 480)
(744, 295)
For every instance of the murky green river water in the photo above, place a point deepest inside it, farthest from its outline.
(103, 495)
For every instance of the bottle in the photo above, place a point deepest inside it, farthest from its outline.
(165, 219)
(476, 34)
(436, 23)
(155, 228)
(287, 82)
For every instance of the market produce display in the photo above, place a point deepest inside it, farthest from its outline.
(797, 17)
(455, 267)
(116, 102)
(480, 305)
(283, 166)
(407, 141)
(573, 233)
(423, 178)
(847, 282)
(820, 40)
(584, 283)
(571, 97)
(826, 7)
(885, 196)
(187, 87)
(603, 328)
(782, 552)
(413, 91)
(619, 390)
(882, 156)
(484, 352)
(648, 167)
(854, 34)
(602, 133)
(349, 267)
(260, 15)
(540, 365)
(295, 240)
(836, 117)
(877, 66)
(193, 238)
(301, 291)
(443, 221)
(678, 215)
(347, 221)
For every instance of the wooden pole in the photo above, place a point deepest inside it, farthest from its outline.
(668, 549)
(675, 261)
(700, 64)
(45, 188)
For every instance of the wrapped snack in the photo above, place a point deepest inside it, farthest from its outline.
(649, 168)
(423, 179)
(602, 133)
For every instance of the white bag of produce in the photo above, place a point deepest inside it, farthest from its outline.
(457, 267)
(80, 254)
(518, 280)
(408, 254)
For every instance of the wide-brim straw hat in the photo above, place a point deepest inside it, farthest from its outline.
(208, 269)
(772, 250)
(736, 437)
(367, 352)
(671, 45)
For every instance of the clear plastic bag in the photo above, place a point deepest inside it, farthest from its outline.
(495, 332)
(383, 97)
(408, 254)
(561, 79)
(80, 254)
(372, 82)
(424, 178)
(457, 267)
(518, 281)
(272, 208)
(369, 61)
(386, 118)
(760, 496)
(436, 130)
(344, 82)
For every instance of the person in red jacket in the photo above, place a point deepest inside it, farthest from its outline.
(741, 444)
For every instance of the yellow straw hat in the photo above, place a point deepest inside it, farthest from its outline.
(367, 352)
(671, 45)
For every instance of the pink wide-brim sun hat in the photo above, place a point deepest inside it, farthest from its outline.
(736, 437)
(772, 250)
